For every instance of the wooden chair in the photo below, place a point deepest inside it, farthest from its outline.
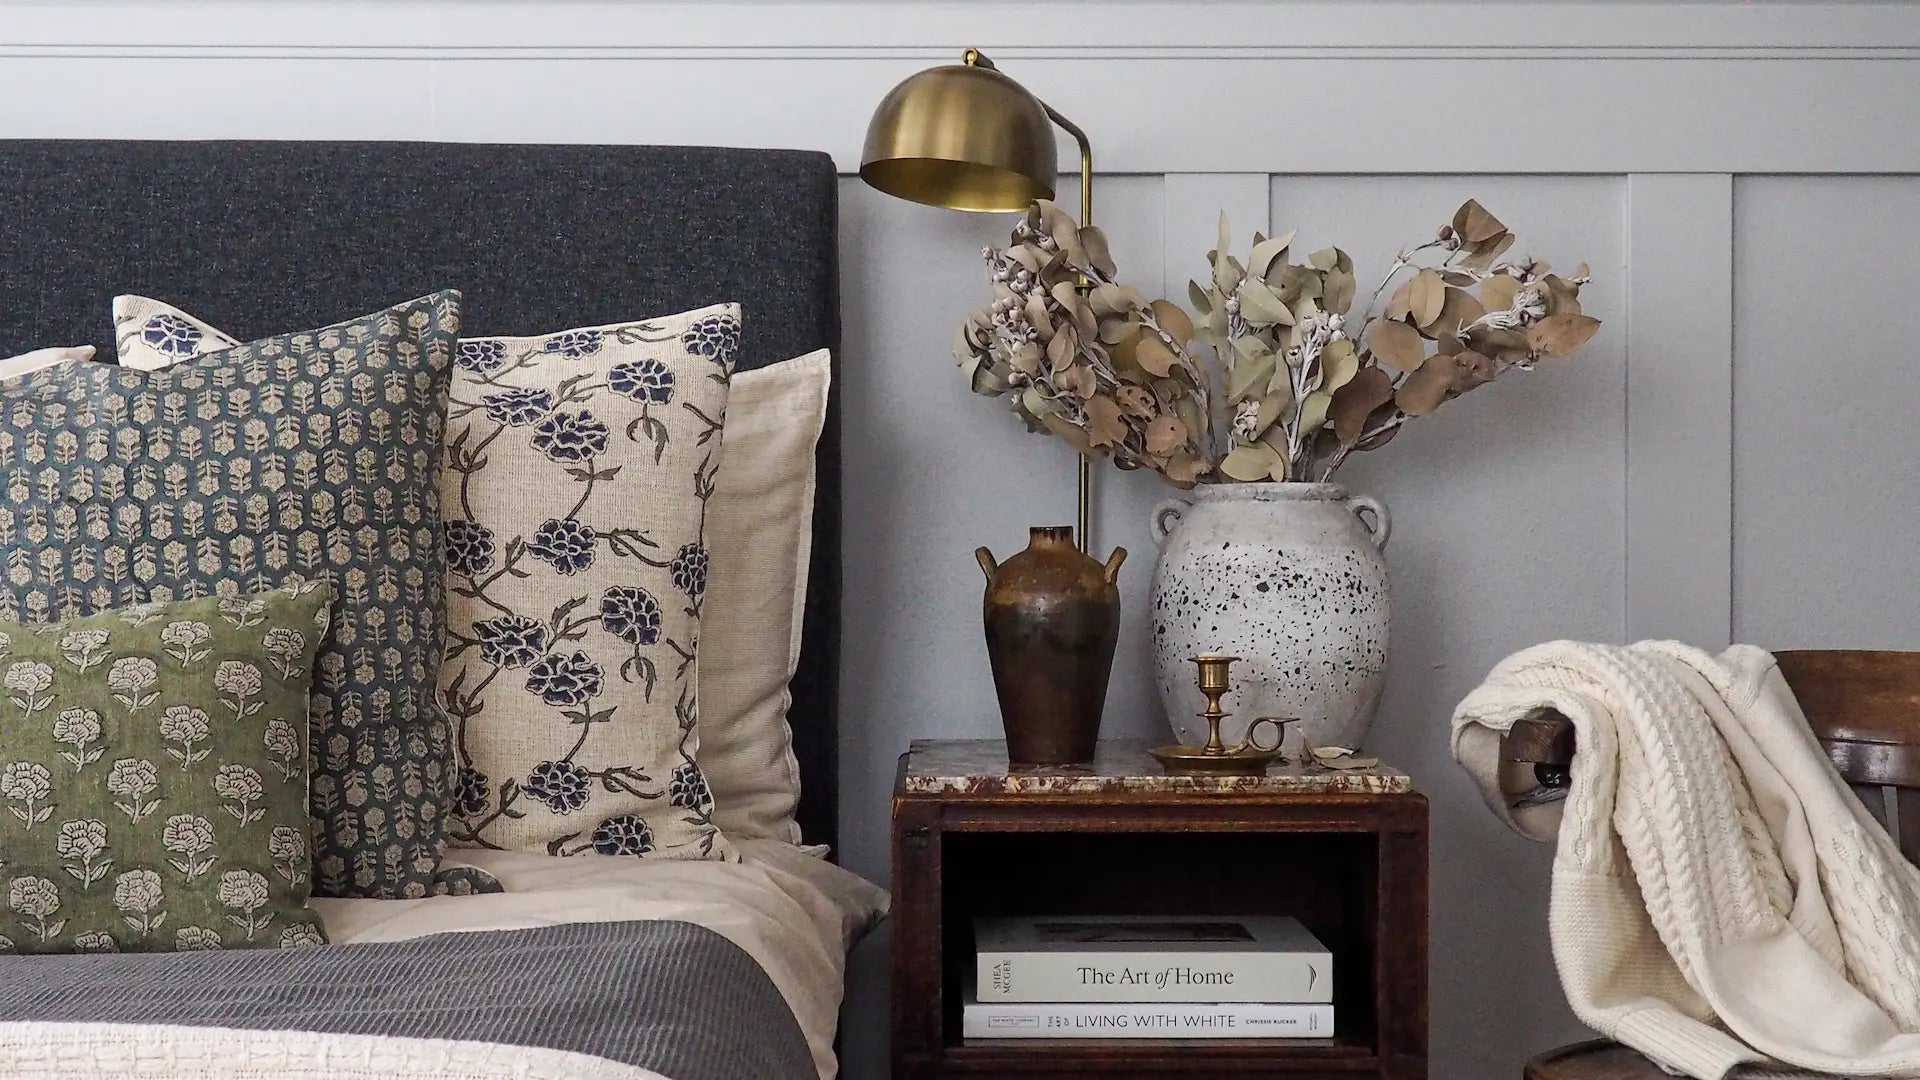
(1865, 708)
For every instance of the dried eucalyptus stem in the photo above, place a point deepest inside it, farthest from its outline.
(1267, 382)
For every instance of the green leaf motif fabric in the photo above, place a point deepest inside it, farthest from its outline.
(313, 455)
(153, 776)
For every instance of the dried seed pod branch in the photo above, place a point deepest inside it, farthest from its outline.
(1266, 378)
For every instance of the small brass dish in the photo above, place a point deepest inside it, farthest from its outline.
(1248, 758)
(1180, 759)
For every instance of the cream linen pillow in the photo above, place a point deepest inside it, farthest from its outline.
(759, 540)
(16, 366)
(760, 531)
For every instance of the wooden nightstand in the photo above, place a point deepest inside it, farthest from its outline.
(1345, 853)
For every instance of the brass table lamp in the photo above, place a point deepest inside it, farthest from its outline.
(966, 137)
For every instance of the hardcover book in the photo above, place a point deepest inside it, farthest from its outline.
(1226, 1020)
(1205, 960)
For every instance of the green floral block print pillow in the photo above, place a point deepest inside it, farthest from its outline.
(153, 775)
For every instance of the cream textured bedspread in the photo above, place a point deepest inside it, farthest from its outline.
(163, 1052)
(793, 912)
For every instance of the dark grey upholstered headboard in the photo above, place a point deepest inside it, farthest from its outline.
(265, 237)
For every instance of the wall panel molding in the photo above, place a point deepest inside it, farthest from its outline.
(1345, 88)
(1679, 471)
(1099, 29)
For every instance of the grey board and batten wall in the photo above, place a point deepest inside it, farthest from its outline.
(1730, 458)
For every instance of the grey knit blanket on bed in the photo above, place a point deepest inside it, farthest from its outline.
(672, 997)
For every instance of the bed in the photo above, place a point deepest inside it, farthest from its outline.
(700, 969)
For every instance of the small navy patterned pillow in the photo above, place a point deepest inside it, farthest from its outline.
(302, 456)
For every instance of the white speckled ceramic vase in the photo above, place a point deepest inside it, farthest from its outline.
(1289, 578)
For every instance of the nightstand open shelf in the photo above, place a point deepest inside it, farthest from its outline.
(1350, 865)
(1310, 876)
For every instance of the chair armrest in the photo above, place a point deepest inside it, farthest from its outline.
(1545, 738)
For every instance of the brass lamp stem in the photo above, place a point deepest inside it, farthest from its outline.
(1083, 532)
(975, 58)
(1086, 162)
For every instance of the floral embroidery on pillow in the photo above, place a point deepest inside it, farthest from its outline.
(171, 336)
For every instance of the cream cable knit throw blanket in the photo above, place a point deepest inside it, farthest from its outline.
(1719, 896)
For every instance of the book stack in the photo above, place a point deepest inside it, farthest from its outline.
(1148, 978)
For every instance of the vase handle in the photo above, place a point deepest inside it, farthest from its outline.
(1380, 525)
(987, 564)
(1164, 517)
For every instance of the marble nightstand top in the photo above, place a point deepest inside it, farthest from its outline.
(979, 767)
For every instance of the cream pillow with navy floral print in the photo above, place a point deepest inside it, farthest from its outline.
(578, 470)
(153, 776)
(149, 335)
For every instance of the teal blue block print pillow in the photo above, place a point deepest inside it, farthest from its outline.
(313, 455)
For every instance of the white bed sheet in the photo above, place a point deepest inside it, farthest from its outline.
(795, 913)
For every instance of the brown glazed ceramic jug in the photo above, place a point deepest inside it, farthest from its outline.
(1053, 618)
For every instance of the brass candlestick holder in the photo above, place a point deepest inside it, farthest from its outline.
(1216, 758)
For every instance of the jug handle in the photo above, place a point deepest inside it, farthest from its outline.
(986, 560)
(1113, 564)
(1164, 517)
(1379, 526)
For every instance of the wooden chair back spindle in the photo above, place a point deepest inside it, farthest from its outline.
(1863, 706)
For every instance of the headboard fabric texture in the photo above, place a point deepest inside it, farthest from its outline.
(265, 237)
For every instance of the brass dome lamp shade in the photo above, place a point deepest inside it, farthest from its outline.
(966, 137)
